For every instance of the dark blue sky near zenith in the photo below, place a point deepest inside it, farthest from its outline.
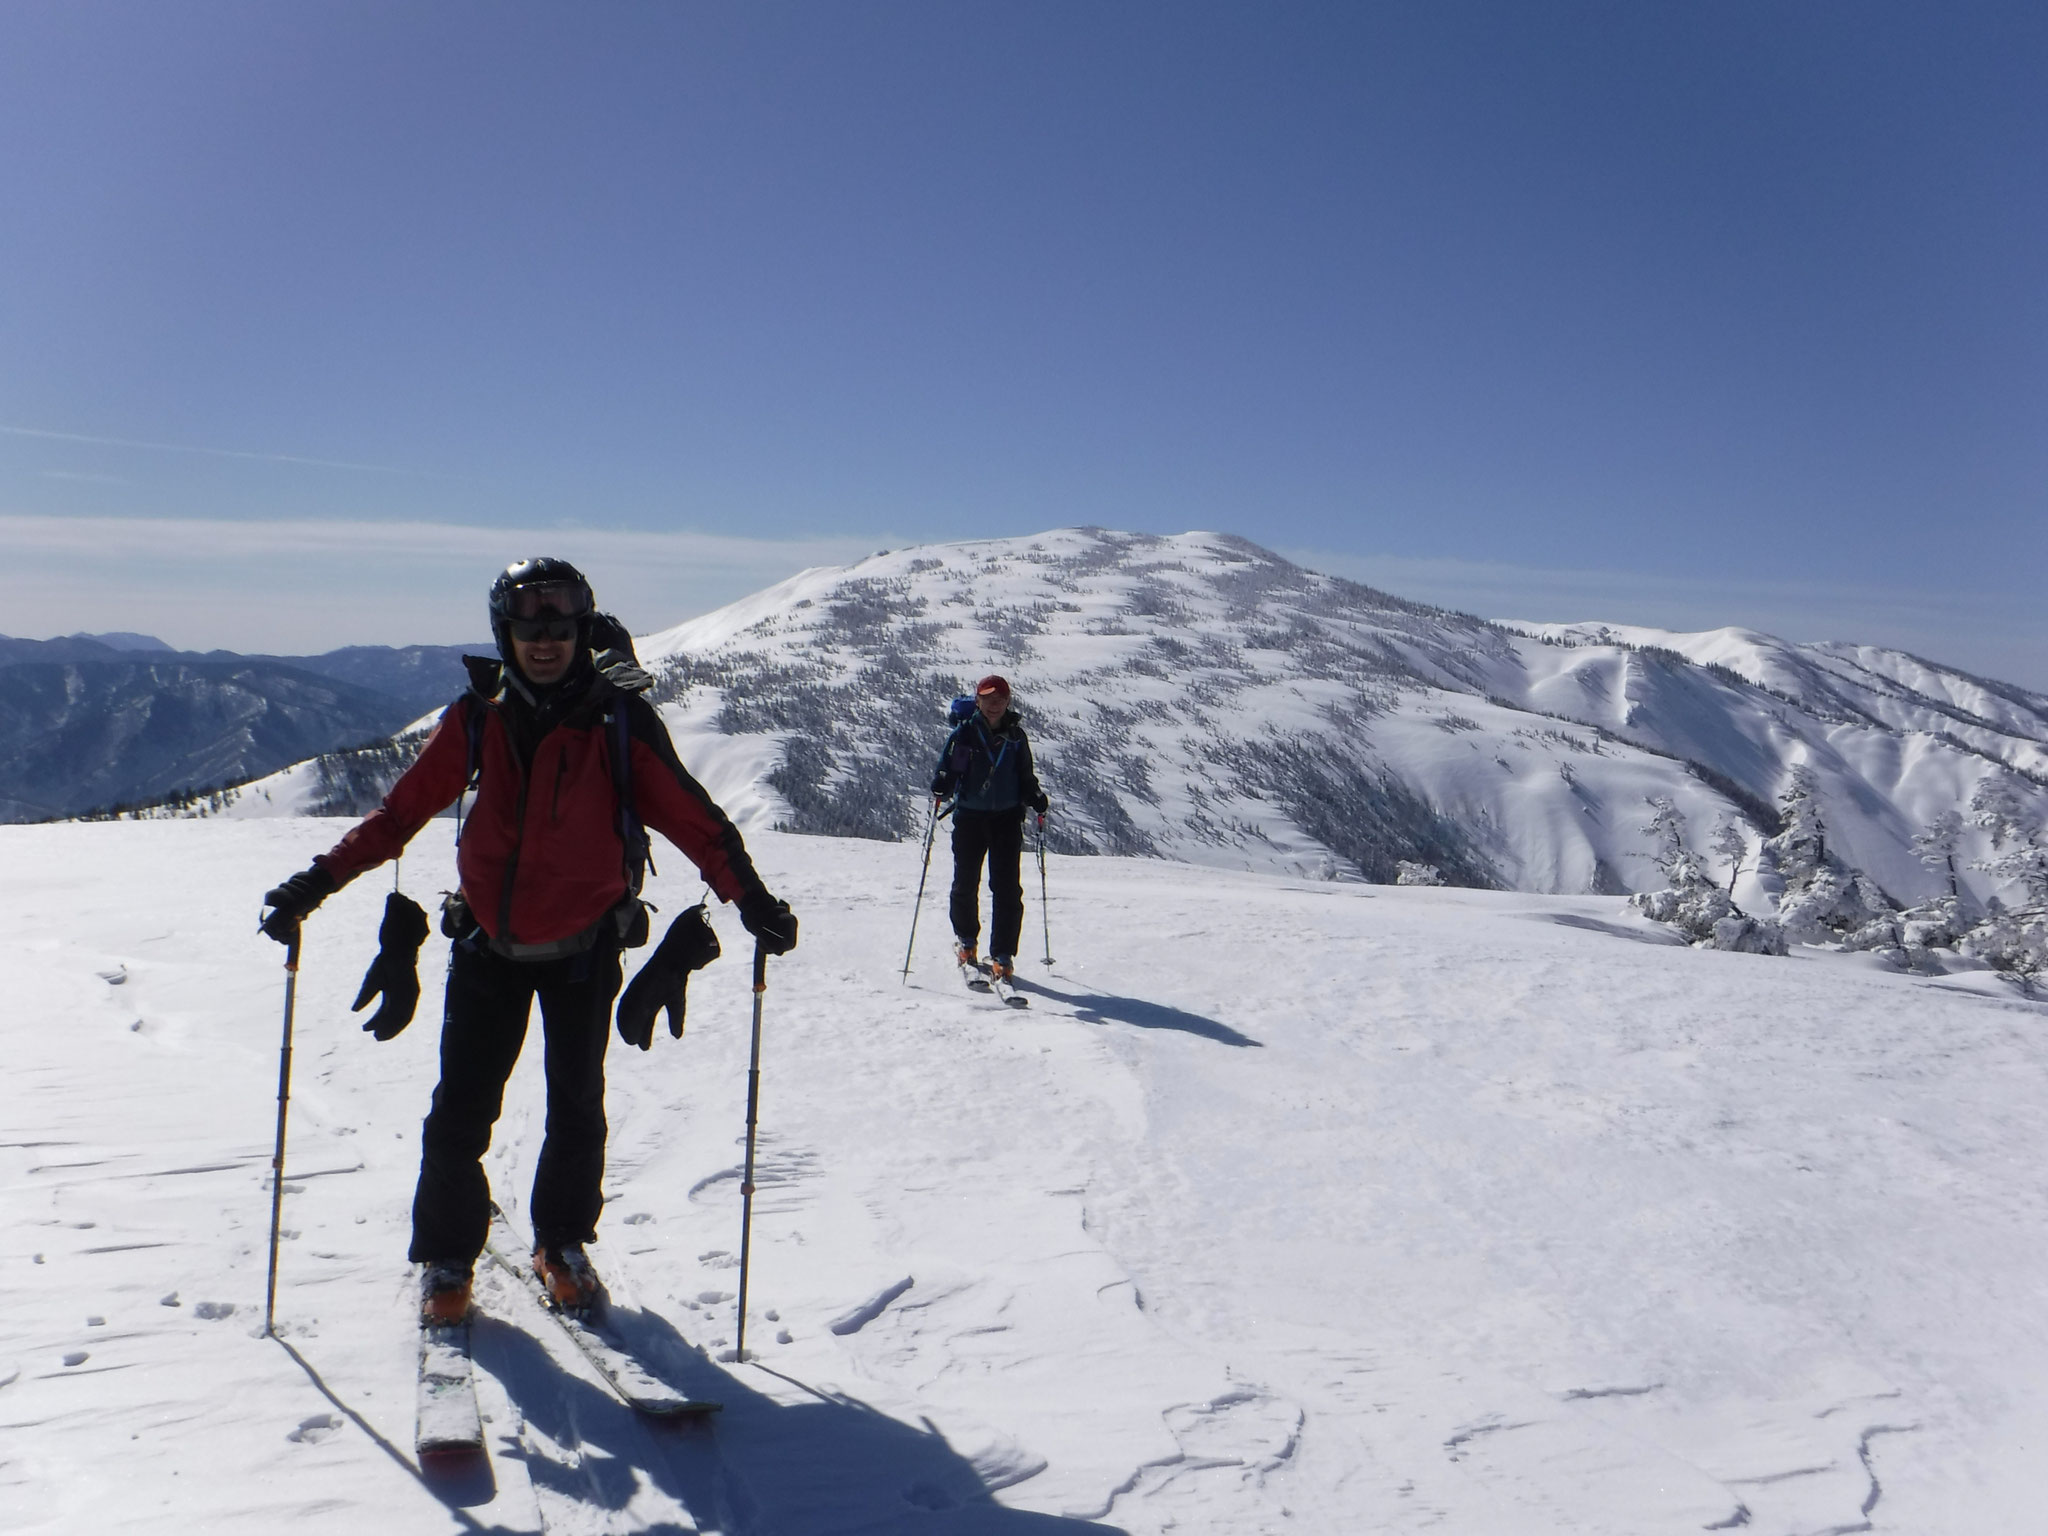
(1724, 309)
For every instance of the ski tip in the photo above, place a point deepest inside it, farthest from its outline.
(693, 1409)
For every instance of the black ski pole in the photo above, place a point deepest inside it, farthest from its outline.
(1044, 915)
(931, 830)
(284, 1094)
(753, 1111)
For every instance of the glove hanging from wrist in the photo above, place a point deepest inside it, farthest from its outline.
(395, 971)
(689, 945)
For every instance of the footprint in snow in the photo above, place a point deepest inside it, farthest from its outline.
(319, 1427)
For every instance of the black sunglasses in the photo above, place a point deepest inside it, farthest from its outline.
(534, 629)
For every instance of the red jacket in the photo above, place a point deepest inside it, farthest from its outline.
(540, 857)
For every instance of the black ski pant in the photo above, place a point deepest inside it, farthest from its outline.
(997, 836)
(483, 1025)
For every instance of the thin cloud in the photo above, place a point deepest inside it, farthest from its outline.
(219, 453)
(83, 475)
(206, 538)
(295, 587)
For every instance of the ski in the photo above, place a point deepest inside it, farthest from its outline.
(1008, 993)
(637, 1387)
(448, 1422)
(980, 977)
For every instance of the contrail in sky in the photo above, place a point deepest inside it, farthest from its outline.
(220, 453)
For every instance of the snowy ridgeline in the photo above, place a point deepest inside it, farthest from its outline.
(1200, 699)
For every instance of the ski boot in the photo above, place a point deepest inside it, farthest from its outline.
(444, 1294)
(1002, 968)
(566, 1274)
(964, 955)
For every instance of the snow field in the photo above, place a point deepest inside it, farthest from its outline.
(1287, 1206)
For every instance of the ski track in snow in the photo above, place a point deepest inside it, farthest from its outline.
(1285, 1207)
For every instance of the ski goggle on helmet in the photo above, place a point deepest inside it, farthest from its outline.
(532, 598)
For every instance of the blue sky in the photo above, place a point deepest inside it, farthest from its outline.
(313, 315)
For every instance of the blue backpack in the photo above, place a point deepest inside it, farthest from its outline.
(961, 710)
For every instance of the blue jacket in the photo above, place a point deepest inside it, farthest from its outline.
(988, 770)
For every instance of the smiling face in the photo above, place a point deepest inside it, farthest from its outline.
(545, 659)
(992, 706)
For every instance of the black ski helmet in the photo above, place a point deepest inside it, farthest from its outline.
(540, 588)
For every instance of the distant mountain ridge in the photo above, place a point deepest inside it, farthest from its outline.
(1199, 698)
(88, 722)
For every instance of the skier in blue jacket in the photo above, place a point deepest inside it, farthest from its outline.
(986, 767)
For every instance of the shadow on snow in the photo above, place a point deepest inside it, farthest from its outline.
(1100, 1008)
(829, 1465)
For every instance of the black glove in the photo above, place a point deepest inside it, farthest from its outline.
(689, 945)
(607, 634)
(395, 971)
(290, 902)
(1042, 804)
(770, 921)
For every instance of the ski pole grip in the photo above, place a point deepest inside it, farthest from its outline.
(760, 967)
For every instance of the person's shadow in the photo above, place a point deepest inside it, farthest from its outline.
(825, 1464)
(1100, 1008)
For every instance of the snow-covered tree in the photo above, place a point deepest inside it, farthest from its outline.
(1732, 846)
(1825, 901)
(2015, 943)
(1803, 843)
(1935, 846)
(1693, 903)
(2019, 844)
(1666, 830)
(1409, 872)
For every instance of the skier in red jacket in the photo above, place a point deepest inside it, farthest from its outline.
(548, 898)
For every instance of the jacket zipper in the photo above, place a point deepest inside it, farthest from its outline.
(518, 842)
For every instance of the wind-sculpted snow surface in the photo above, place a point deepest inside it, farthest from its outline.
(1287, 1206)
(1202, 699)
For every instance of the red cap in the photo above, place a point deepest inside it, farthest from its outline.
(991, 684)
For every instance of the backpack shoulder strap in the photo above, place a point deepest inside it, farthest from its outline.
(638, 851)
(475, 710)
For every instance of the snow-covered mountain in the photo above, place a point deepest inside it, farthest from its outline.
(91, 721)
(1202, 699)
